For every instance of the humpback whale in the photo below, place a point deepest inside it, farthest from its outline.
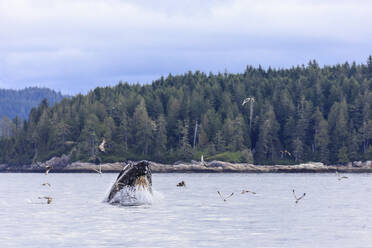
(133, 177)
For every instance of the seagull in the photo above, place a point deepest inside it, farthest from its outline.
(248, 99)
(46, 184)
(48, 168)
(340, 177)
(298, 198)
(202, 160)
(99, 171)
(224, 199)
(247, 191)
(48, 198)
(102, 145)
(181, 184)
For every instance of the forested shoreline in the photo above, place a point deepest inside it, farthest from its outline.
(305, 113)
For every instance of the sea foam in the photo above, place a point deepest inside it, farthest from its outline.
(134, 196)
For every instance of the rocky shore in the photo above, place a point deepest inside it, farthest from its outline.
(63, 164)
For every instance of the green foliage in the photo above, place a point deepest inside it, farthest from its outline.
(305, 113)
(368, 154)
(342, 155)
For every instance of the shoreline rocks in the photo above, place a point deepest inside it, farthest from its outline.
(63, 165)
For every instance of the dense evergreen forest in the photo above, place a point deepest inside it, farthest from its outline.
(305, 113)
(19, 102)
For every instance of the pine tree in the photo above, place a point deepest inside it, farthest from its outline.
(268, 142)
(203, 138)
(160, 137)
(321, 141)
(337, 128)
(185, 149)
(354, 146)
(369, 66)
(298, 150)
(220, 142)
(342, 155)
(90, 137)
(227, 133)
(62, 132)
(143, 127)
(124, 132)
(237, 135)
(5, 127)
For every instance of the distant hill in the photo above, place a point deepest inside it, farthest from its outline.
(20, 102)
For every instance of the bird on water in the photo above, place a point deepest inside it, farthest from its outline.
(181, 184)
(247, 191)
(48, 198)
(340, 177)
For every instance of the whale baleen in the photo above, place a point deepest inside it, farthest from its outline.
(134, 176)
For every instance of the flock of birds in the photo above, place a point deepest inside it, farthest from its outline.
(244, 191)
(49, 199)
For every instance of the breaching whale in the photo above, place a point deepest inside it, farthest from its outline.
(133, 177)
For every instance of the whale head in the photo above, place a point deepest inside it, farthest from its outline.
(133, 176)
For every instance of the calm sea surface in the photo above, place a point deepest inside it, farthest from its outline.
(332, 214)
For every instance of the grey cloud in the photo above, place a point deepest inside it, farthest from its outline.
(76, 45)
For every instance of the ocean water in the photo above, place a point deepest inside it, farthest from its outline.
(332, 214)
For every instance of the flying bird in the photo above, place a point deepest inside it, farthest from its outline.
(47, 169)
(248, 99)
(48, 198)
(102, 145)
(46, 184)
(247, 191)
(251, 100)
(298, 198)
(340, 177)
(224, 199)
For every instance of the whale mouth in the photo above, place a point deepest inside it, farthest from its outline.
(142, 182)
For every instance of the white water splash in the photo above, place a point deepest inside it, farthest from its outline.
(129, 196)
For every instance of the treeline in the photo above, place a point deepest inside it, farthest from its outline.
(305, 113)
(19, 102)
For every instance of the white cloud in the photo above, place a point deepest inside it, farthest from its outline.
(110, 39)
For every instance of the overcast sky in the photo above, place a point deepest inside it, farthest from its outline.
(76, 45)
